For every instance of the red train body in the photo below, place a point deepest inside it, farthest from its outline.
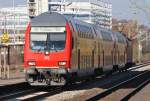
(59, 50)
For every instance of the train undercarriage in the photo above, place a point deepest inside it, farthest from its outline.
(60, 76)
(45, 77)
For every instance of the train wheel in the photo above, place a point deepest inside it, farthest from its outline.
(63, 80)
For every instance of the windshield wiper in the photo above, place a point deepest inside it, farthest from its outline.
(40, 49)
(53, 49)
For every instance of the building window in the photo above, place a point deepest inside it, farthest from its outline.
(31, 1)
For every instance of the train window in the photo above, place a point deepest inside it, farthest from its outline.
(80, 34)
(84, 35)
(106, 36)
(46, 40)
(31, 0)
(87, 35)
(120, 37)
(85, 30)
(72, 42)
(90, 36)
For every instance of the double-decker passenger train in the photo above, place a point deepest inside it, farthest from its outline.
(59, 50)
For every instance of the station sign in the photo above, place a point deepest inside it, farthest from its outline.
(5, 38)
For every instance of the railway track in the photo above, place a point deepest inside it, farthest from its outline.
(12, 87)
(140, 65)
(34, 93)
(39, 94)
(138, 81)
(31, 94)
(127, 97)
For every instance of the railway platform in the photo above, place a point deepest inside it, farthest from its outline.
(15, 78)
(142, 95)
(11, 64)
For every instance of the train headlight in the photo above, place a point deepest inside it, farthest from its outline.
(62, 63)
(31, 63)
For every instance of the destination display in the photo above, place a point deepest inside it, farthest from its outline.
(47, 29)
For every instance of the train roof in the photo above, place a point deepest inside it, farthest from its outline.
(56, 19)
(49, 19)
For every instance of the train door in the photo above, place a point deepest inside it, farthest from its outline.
(103, 54)
(79, 59)
(94, 54)
(93, 51)
(125, 55)
(117, 54)
(113, 54)
(99, 55)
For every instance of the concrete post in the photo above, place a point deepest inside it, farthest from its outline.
(8, 69)
(4, 66)
(140, 51)
(0, 65)
(8, 62)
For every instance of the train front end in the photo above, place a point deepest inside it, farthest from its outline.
(47, 50)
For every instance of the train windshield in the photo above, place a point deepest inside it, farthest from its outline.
(50, 39)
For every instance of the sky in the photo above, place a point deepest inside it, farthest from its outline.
(121, 9)
(132, 9)
(7, 3)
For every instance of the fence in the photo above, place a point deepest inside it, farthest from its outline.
(11, 60)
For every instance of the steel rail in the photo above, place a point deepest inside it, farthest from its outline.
(114, 88)
(42, 95)
(16, 94)
(50, 93)
(127, 97)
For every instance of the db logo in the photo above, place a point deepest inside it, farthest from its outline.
(46, 58)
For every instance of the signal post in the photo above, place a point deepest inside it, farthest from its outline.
(0, 65)
(4, 70)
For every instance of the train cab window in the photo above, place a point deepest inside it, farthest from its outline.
(120, 38)
(50, 39)
(106, 36)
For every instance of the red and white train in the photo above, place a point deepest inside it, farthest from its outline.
(60, 49)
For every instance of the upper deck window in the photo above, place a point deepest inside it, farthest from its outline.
(106, 36)
(85, 31)
(120, 38)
